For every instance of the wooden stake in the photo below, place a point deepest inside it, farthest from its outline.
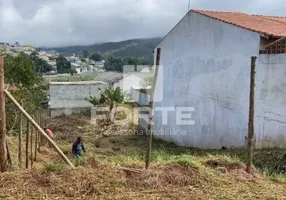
(27, 145)
(251, 114)
(20, 139)
(32, 132)
(3, 149)
(151, 113)
(41, 131)
(36, 139)
(8, 155)
(40, 123)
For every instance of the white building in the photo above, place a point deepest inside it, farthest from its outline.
(204, 63)
(99, 64)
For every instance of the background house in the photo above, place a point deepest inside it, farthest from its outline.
(205, 64)
(132, 83)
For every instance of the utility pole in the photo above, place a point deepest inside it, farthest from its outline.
(3, 149)
(189, 6)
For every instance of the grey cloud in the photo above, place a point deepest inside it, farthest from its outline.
(73, 22)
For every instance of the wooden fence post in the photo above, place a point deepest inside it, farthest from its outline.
(251, 114)
(40, 124)
(151, 113)
(36, 138)
(27, 145)
(41, 131)
(31, 145)
(20, 139)
(3, 148)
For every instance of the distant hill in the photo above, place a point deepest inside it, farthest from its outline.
(133, 48)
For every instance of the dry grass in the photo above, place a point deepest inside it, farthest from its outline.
(162, 181)
(176, 172)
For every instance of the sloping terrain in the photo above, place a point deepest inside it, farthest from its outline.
(113, 168)
(132, 48)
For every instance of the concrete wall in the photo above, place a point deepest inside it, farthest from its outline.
(270, 109)
(69, 97)
(140, 97)
(205, 65)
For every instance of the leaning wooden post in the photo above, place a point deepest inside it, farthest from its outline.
(20, 139)
(151, 113)
(3, 149)
(251, 114)
(31, 145)
(27, 145)
(41, 131)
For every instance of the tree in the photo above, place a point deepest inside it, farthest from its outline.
(20, 73)
(21, 77)
(85, 53)
(117, 63)
(114, 64)
(41, 65)
(31, 88)
(111, 97)
(63, 65)
(95, 57)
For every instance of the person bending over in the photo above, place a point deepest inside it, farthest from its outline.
(78, 148)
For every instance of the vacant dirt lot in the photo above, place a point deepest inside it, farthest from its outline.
(113, 168)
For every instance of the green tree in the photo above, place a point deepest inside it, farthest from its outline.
(135, 61)
(114, 64)
(95, 57)
(41, 65)
(117, 63)
(85, 53)
(20, 71)
(111, 97)
(31, 89)
(63, 65)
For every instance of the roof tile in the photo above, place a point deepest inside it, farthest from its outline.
(268, 25)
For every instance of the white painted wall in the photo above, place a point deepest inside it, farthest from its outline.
(270, 109)
(206, 65)
(68, 97)
(139, 97)
(128, 82)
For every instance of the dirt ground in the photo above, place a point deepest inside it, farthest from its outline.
(113, 168)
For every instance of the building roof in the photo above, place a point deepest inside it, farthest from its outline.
(109, 77)
(268, 25)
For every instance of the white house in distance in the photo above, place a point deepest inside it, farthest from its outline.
(205, 64)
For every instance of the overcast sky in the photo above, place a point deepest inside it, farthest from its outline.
(80, 22)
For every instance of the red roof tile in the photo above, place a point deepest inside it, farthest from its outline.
(268, 25)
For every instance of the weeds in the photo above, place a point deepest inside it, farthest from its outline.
(53, 167)
(80, 161)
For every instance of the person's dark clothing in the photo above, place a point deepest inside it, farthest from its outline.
(77, 148)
